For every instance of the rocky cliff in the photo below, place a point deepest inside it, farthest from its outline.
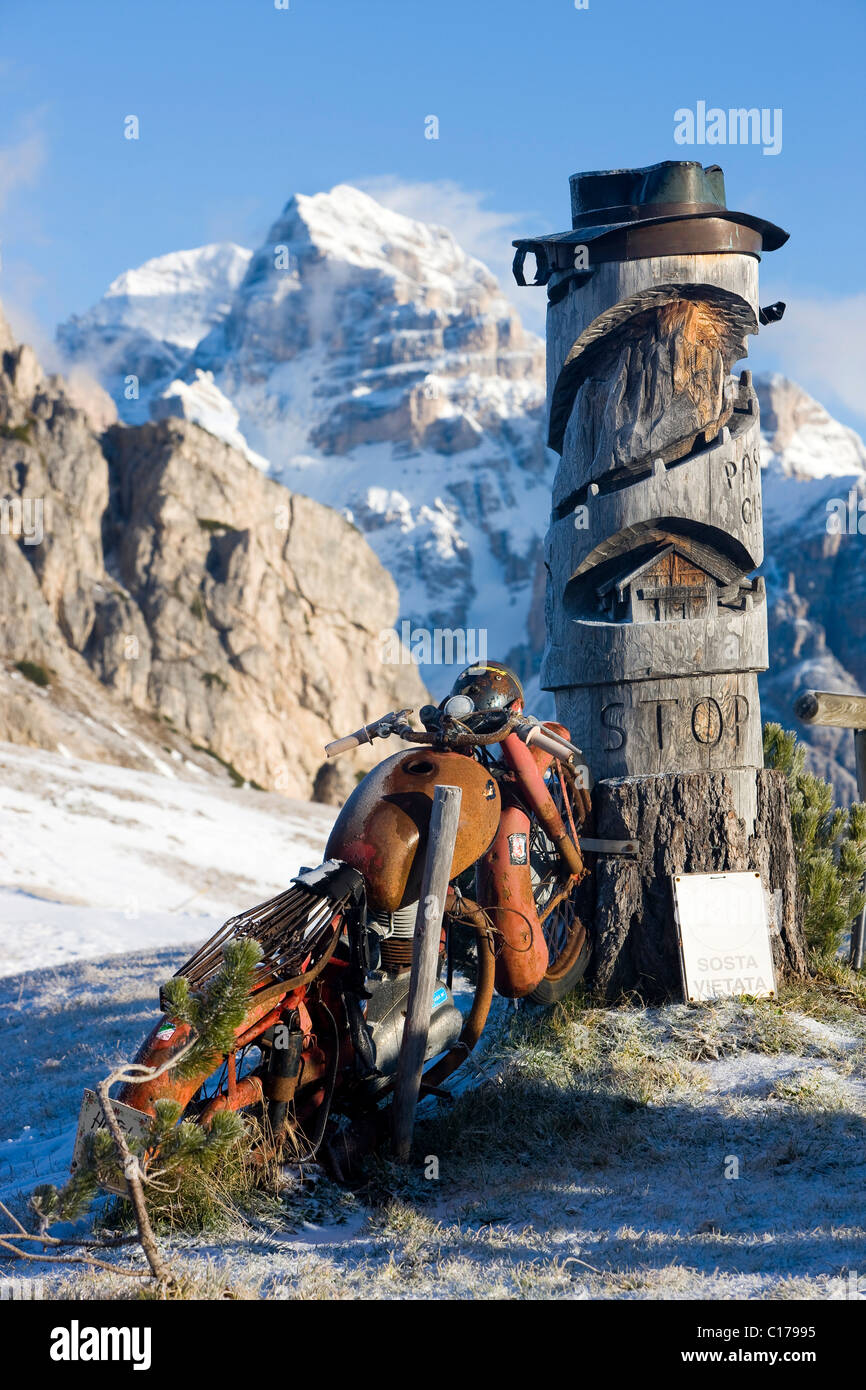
(159, 596)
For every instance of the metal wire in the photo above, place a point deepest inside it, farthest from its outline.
(292, 928)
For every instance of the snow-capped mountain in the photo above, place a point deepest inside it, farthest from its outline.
(805, 441)
(814, 491)
(149, 320)
(377, 367)
(375, 364)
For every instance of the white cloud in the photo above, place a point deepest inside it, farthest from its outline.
(482, 231)
(822, 344)
(21, 163)
(20, 284)
(22, 279)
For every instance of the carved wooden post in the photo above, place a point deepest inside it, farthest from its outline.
(656, 629)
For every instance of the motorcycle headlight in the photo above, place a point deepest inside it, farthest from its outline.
(458, 706)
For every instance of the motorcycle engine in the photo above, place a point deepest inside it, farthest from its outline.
(395, 932)
(385, 1011)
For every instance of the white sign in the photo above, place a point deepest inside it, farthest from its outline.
(133, 1123)
(724, 936)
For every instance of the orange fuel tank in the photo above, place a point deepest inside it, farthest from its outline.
(382, 829)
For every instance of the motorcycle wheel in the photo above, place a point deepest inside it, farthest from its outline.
(569, 945)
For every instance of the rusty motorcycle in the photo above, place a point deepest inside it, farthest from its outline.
(316, 1055)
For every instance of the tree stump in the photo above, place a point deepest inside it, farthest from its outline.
(684, 823)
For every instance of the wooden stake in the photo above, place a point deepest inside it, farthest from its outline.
(444, 820)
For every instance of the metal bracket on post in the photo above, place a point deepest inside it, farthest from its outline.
(627, 847)
(444, 820)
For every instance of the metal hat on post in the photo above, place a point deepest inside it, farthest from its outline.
(673, 208)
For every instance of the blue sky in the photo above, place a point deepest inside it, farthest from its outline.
(242, 104)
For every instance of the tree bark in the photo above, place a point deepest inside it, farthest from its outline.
(684, 823)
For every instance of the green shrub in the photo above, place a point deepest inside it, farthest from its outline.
(32, 671)
(193, 1175)
(21, 433)
(829, 844)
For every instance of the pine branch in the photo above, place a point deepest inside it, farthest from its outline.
(214, 1016)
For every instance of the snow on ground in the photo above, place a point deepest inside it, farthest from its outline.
(589, 1159)
(62, 1026)
(96, 859)
(705, 1152)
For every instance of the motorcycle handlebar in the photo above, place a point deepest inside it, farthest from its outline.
(535, 735)
(380, 728)
(457, 735)
(345, 745)
(481, 740)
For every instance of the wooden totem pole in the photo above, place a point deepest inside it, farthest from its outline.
(656, 629)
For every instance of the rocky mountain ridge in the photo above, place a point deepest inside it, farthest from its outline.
(163, 602)
(376, 367)
(814, 497)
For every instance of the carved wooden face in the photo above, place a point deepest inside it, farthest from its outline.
(654, 387)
